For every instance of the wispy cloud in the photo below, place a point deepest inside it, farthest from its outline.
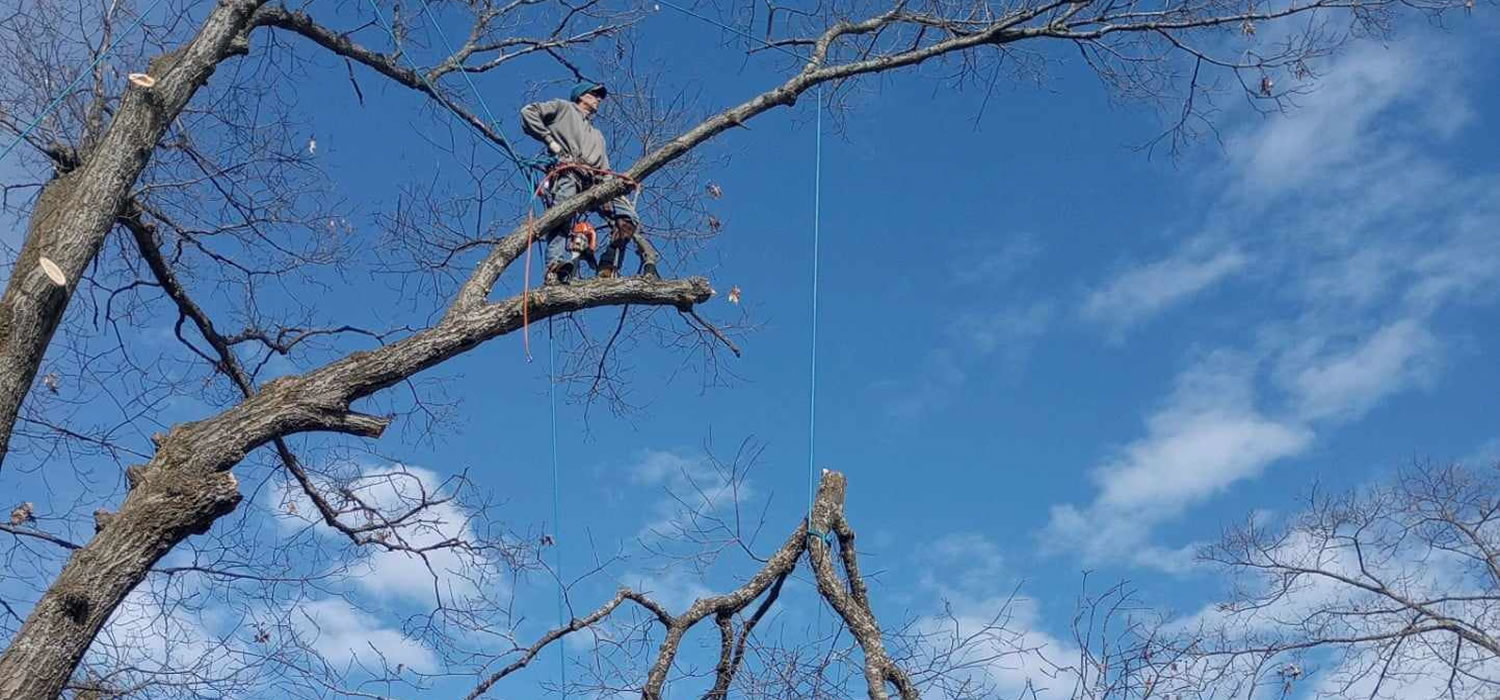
(691, 491)
(982, 335)
(987, 265)
(143, 638)
(1208, 436)
(982, 631)
(344, 635)
(1348, 382)
(1143, 291)
(1359, 242)
(1269, 605)
(1332, 131)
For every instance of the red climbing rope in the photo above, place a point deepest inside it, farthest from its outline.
(565, 166)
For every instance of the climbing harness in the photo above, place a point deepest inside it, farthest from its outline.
(550, 172)
(589, 171)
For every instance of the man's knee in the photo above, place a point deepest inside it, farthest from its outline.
(624, 225)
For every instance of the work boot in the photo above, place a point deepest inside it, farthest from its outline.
(557, 273)
(649, 271)
(607, 271)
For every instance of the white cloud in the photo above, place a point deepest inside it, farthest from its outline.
(1188, 457)
(986, 265)
(144, 636)
(963, 563)
(692, 490)
(986, 633)
(1319, 607)
(661, 466)
(1010, 330)
(1143, 291)
(1000, 641)
(1335, 128)
(393, 491)
(1347, 384)
(1207, 437)
(1359, 241)
(343, 635)
(1467, 264)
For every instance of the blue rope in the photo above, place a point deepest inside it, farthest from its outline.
(504, 146)
(812, 382)
(812, 392)
(76, 79)
(562, 649)
(448, 46)
(733, 30)
(812, 400)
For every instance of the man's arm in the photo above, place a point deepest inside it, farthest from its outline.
(536, 119)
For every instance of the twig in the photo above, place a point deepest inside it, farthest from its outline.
(714, 331)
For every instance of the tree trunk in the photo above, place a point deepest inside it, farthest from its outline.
(187, 485)
(155, 517)
(76, 211)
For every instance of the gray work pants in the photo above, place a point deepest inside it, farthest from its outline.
(568, 183)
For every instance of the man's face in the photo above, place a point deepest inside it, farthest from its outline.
(590, 102)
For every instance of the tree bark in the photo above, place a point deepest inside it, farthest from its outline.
(76, 210)
(187, 485)
(847, 594)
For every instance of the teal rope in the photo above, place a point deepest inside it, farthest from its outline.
(812, 400)
(76, 79)
(562, 649)
(812, 382)
(812, 392)
(448, 46)
(733, 30)
(504, 146)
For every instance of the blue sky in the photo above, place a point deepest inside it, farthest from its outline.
(1040, 351)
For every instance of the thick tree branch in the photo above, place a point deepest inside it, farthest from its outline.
(764, 585)
(76, 210)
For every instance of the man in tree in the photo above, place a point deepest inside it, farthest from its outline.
(567, 129)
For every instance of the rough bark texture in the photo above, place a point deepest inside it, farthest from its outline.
(848, 594)
(77, 210)
(765, 585)
(187, 485)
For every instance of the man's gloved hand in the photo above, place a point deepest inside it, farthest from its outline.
(554, 147)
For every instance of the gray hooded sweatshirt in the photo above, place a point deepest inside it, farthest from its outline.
(563, 122)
